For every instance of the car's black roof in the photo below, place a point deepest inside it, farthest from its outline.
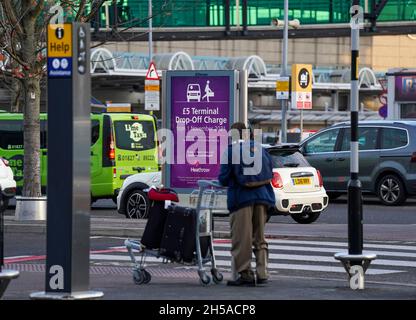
(381, 122)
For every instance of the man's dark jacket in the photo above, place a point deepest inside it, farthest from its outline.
(239, 196)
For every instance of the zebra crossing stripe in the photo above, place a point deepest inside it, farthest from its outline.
(342, 244)
(329, 259)
(302, 267)
(329, 250)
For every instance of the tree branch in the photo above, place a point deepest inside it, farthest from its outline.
(80, 10)
(11, 14)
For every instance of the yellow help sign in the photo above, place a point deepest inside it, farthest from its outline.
(302, 78)
(59, 40)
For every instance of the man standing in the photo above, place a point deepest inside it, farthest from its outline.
(248, 208)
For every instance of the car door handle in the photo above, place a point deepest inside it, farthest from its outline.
(340, 159)
(328, 159)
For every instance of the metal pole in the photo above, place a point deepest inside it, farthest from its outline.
(150, 32)
(301, 124)
(284, 68)
(355, 218)
(150, 37)
(237, 14)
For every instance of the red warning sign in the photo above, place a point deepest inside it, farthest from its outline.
(151, 72)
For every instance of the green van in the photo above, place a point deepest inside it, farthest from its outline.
(122, 144)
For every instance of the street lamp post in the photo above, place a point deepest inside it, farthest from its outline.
(284, 69)
(150, 32)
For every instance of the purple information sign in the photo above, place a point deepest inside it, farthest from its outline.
(405, 88)
(200, 114)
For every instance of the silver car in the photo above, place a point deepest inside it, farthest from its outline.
(387, 158)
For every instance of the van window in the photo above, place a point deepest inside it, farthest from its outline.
(367, 139)
(11, 135)
(393, 138)
(95, 131)
(324, 142)
(135, 135)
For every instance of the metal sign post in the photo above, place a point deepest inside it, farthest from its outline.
(68, 192)
(284, 73)
(355, 262)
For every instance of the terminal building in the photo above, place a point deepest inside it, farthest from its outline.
(243, 34)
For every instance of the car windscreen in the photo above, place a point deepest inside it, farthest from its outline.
(134, 135)
(287, 158)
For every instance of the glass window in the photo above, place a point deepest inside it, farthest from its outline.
(287, 158)
(367, 139)
(95, 131)
(135, 135)
(393, 138)
(11, 135)
(408, 111)
(324, 142)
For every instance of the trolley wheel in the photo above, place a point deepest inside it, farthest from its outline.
(147, 276)
(217, 276)
(204, 279)
(138, 276)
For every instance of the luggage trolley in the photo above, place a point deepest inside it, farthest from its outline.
(208, 201)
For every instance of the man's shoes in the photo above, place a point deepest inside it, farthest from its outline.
(240, 282)
(262, 281)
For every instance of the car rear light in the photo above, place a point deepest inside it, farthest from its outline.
(112, 151)
(114, 172)
(277, 181)
(413, 159)
(321, 181)
(6, 163)
(135, 117)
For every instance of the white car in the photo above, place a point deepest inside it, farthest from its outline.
(7, 184)
(298, 187)
(132, 200)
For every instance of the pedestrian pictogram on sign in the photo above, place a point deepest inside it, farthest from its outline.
(152, 72)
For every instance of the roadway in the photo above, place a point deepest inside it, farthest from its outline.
(300, 259)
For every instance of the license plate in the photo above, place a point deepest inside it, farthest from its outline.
(301, 181)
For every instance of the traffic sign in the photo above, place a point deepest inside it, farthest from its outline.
(302, 86)
(282, 88)
(152, 95)
(152, 72)
(59, 41)
(60, 50)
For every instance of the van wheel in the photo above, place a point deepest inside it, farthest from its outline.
(137, 205)
(305, 217)
(390, 190)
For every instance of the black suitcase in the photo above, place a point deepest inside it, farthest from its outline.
(153, 232)
(178, 241)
